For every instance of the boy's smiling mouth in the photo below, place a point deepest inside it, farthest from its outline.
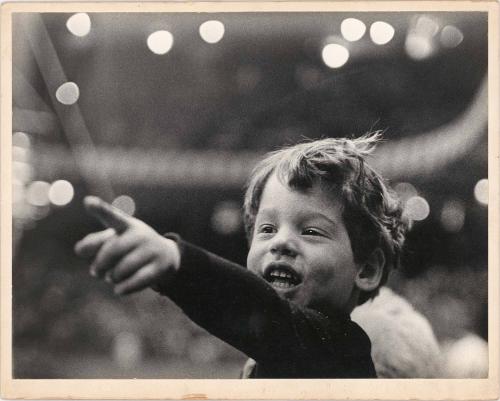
(281, 276)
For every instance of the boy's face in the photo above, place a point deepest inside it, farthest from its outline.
(300, 246)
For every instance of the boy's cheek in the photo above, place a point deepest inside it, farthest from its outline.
(252, 260)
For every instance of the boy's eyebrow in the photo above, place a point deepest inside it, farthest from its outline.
(313, 215)
(306, 215)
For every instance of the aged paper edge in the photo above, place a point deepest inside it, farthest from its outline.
(379, 389)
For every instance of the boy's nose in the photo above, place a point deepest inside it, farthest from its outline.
(283, 243)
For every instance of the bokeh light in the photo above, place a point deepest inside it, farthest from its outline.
(37, 193)
(79, 24)
(352, 29)
(381, 32)
(417, 208)
(226, 218)
(61, 193)
(405, 191)
(453, 215)
(451, 36)
(419, 47)
(160, 42)
(125, 203)
(427, 26)
(481, 191)
(335, 55)
(212, 31)
(466, 357)
(68, 93)
(21, 139)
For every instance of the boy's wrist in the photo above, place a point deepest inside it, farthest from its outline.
(171, 241)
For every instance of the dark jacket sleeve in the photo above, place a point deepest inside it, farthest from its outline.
(245, 311)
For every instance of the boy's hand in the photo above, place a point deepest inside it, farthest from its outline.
(129, 253)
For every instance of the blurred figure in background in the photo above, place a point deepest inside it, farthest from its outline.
(403, 342)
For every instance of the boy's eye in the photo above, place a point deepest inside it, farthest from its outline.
(311, 231)
(266, 229)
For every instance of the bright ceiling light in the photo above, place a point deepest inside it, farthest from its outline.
(381, 32)
(335, 55)
(352, 29)
(160, 42)
(212, 31)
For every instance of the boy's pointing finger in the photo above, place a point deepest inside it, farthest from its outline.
(108, 215)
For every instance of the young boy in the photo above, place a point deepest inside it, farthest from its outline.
(324, 231)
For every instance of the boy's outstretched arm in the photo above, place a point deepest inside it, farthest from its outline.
(129, 253)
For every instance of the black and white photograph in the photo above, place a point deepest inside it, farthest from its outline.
(250, 193)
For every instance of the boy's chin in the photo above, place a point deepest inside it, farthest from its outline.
(290, 293)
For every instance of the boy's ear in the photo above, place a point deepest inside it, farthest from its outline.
(371, 271)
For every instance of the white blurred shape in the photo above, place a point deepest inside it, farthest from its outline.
(405, 190)
(417, 208)
(21, 139)
(451, 36)
(335, 55)
(226, 218)
(403, 342)
(127, 349)
(160, 42)
(37, 193)
(381, 32)
(467, 358)
(125, 203)
(427, 25)
(79, 24)
(40, 212)
(61, 192)
(419, 47)
(68, 93)
(20, 154)
(453, 215)
(22, 171)
(352, 29)
(481, 191)
(212, 31)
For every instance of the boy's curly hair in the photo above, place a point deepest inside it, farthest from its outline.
(371, 211)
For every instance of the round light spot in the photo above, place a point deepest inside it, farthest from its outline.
(405, 191)
(40, 212)
(22, 171)
(61, 192)
(335, 55)
(20, 154)
(68, 93)
(418, 47)
(352, 29)
(451, 36)
(453, 215)
(21, 139)
(226, 218)
(125, 203)
(481, 191)
(79, 24)
(212, 31)
(381, 32)
(426, 26)
(160, 42)
(417, 208)
(37, 193)
(466, 357)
